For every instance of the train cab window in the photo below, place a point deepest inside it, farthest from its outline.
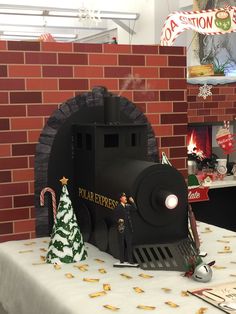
(133, 139)
(79, 140)
(111, 140)
(88, 141)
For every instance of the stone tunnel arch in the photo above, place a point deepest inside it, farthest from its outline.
(57, 129)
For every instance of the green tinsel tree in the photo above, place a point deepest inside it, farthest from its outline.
(66, 244)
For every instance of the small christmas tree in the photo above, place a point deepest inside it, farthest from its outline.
(66, 244)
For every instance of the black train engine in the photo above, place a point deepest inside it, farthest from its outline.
(110, 158)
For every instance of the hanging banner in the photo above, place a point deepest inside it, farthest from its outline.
(208, 22)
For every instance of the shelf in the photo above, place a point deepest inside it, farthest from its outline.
(214, 80)
(229, 181)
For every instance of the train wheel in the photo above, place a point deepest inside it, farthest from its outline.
(113, 242)
(101, 235)
(84, 221)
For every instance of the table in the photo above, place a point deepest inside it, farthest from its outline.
(219, 210)
(29, 287)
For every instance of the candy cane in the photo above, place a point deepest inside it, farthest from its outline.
(226, 124)
(53, 194)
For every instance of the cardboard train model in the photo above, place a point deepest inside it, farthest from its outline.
(110, 158)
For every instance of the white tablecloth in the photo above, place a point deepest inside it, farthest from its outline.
(26, 288)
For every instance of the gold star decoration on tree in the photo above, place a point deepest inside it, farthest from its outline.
(64, 181)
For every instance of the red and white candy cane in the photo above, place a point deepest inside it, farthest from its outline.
(226, 124)
(54, 204)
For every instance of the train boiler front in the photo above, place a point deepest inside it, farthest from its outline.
(111, 158)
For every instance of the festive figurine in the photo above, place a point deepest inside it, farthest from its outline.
(114, 40)
(66, 245)
(125, 230)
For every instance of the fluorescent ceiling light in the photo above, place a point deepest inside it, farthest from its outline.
(64, 35)
(15, 33)
(30, 18)
(49, 28)
(63, 13)
(36, 34)
(119, 15)
(20, 12)
(51, 12)
(17, 37)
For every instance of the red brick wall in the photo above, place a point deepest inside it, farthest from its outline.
(36, 77)
(218, 107)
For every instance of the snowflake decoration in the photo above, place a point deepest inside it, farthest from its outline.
(89, 15)
(204, 91)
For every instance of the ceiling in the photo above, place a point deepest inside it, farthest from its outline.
(81, 24)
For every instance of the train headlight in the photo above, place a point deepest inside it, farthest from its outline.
(167, 199)
(171, 201)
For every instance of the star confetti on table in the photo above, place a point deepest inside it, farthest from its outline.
(204, 91)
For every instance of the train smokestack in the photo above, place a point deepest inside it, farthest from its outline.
(111, 110)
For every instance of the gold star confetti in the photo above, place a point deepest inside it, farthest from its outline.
(146, 307)
(64, 180)
(111, 307)
(82, 267)
(219, 267)
(106, 287)
(99, 260)
(29, 243)
(43, 249)
(223, 241)
(26, 251)
(102, 271)
(229, 236)
(138, 290)
(91, 279)
(171, 304)
(202, 310)
(69, 276)
(227, 249)
(145, 276)
(43, 258)
(166, 290)
(126, 276)
(97, 294)
(223, 252)
(207, 230)
(57, 267)
(184, 294)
